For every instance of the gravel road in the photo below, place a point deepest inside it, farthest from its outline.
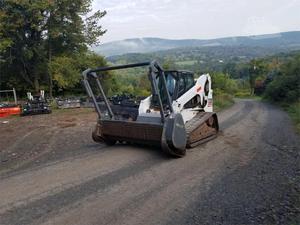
(51, 172)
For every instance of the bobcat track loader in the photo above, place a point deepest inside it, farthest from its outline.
(178, 114)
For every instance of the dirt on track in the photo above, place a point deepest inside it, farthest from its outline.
(51, 172)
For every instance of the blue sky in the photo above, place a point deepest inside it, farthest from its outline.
(199, 19)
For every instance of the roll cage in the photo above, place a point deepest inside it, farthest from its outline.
(155, 71)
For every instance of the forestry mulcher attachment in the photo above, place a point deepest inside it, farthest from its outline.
(178, 115)
(36, 104)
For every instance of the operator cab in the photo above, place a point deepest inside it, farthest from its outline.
(182, 82)
(178, 83)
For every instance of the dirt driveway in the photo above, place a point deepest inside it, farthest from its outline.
(51, 172)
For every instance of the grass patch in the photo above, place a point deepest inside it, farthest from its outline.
(186, 63)
(73, 111)
(222, 101)
(245, 94)
(293, 110)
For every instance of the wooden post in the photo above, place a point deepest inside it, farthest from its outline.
(15, 96)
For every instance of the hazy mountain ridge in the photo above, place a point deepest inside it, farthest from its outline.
(145, 45)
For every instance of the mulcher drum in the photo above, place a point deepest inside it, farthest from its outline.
(203, 127)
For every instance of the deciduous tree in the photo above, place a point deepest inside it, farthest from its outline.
(33, 33)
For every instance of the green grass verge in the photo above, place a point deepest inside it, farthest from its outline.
(294, 112)
(222, 101)
(73, 111)
(245, 94)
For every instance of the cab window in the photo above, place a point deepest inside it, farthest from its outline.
(189, 81)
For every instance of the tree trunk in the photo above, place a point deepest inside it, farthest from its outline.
(36, 84)
(49, 72)
(24, 74)
(50, 86)
(252, 78)
(50, 57)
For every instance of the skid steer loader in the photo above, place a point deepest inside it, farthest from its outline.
(178, 114)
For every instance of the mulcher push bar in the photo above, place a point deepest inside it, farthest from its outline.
(102, 69)
(155, 70)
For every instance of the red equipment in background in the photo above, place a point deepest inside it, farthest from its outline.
(7, 109)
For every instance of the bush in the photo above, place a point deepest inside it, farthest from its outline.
(294, 112)
(225, 88)
(222, 83)
(222, 101)
(286, 85)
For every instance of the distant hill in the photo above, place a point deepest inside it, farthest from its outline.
(204, 59)
(284, 41)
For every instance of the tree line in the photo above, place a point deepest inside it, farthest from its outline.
(44, 44)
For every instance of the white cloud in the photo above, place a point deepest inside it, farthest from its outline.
(196, 18)
(259, 25)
